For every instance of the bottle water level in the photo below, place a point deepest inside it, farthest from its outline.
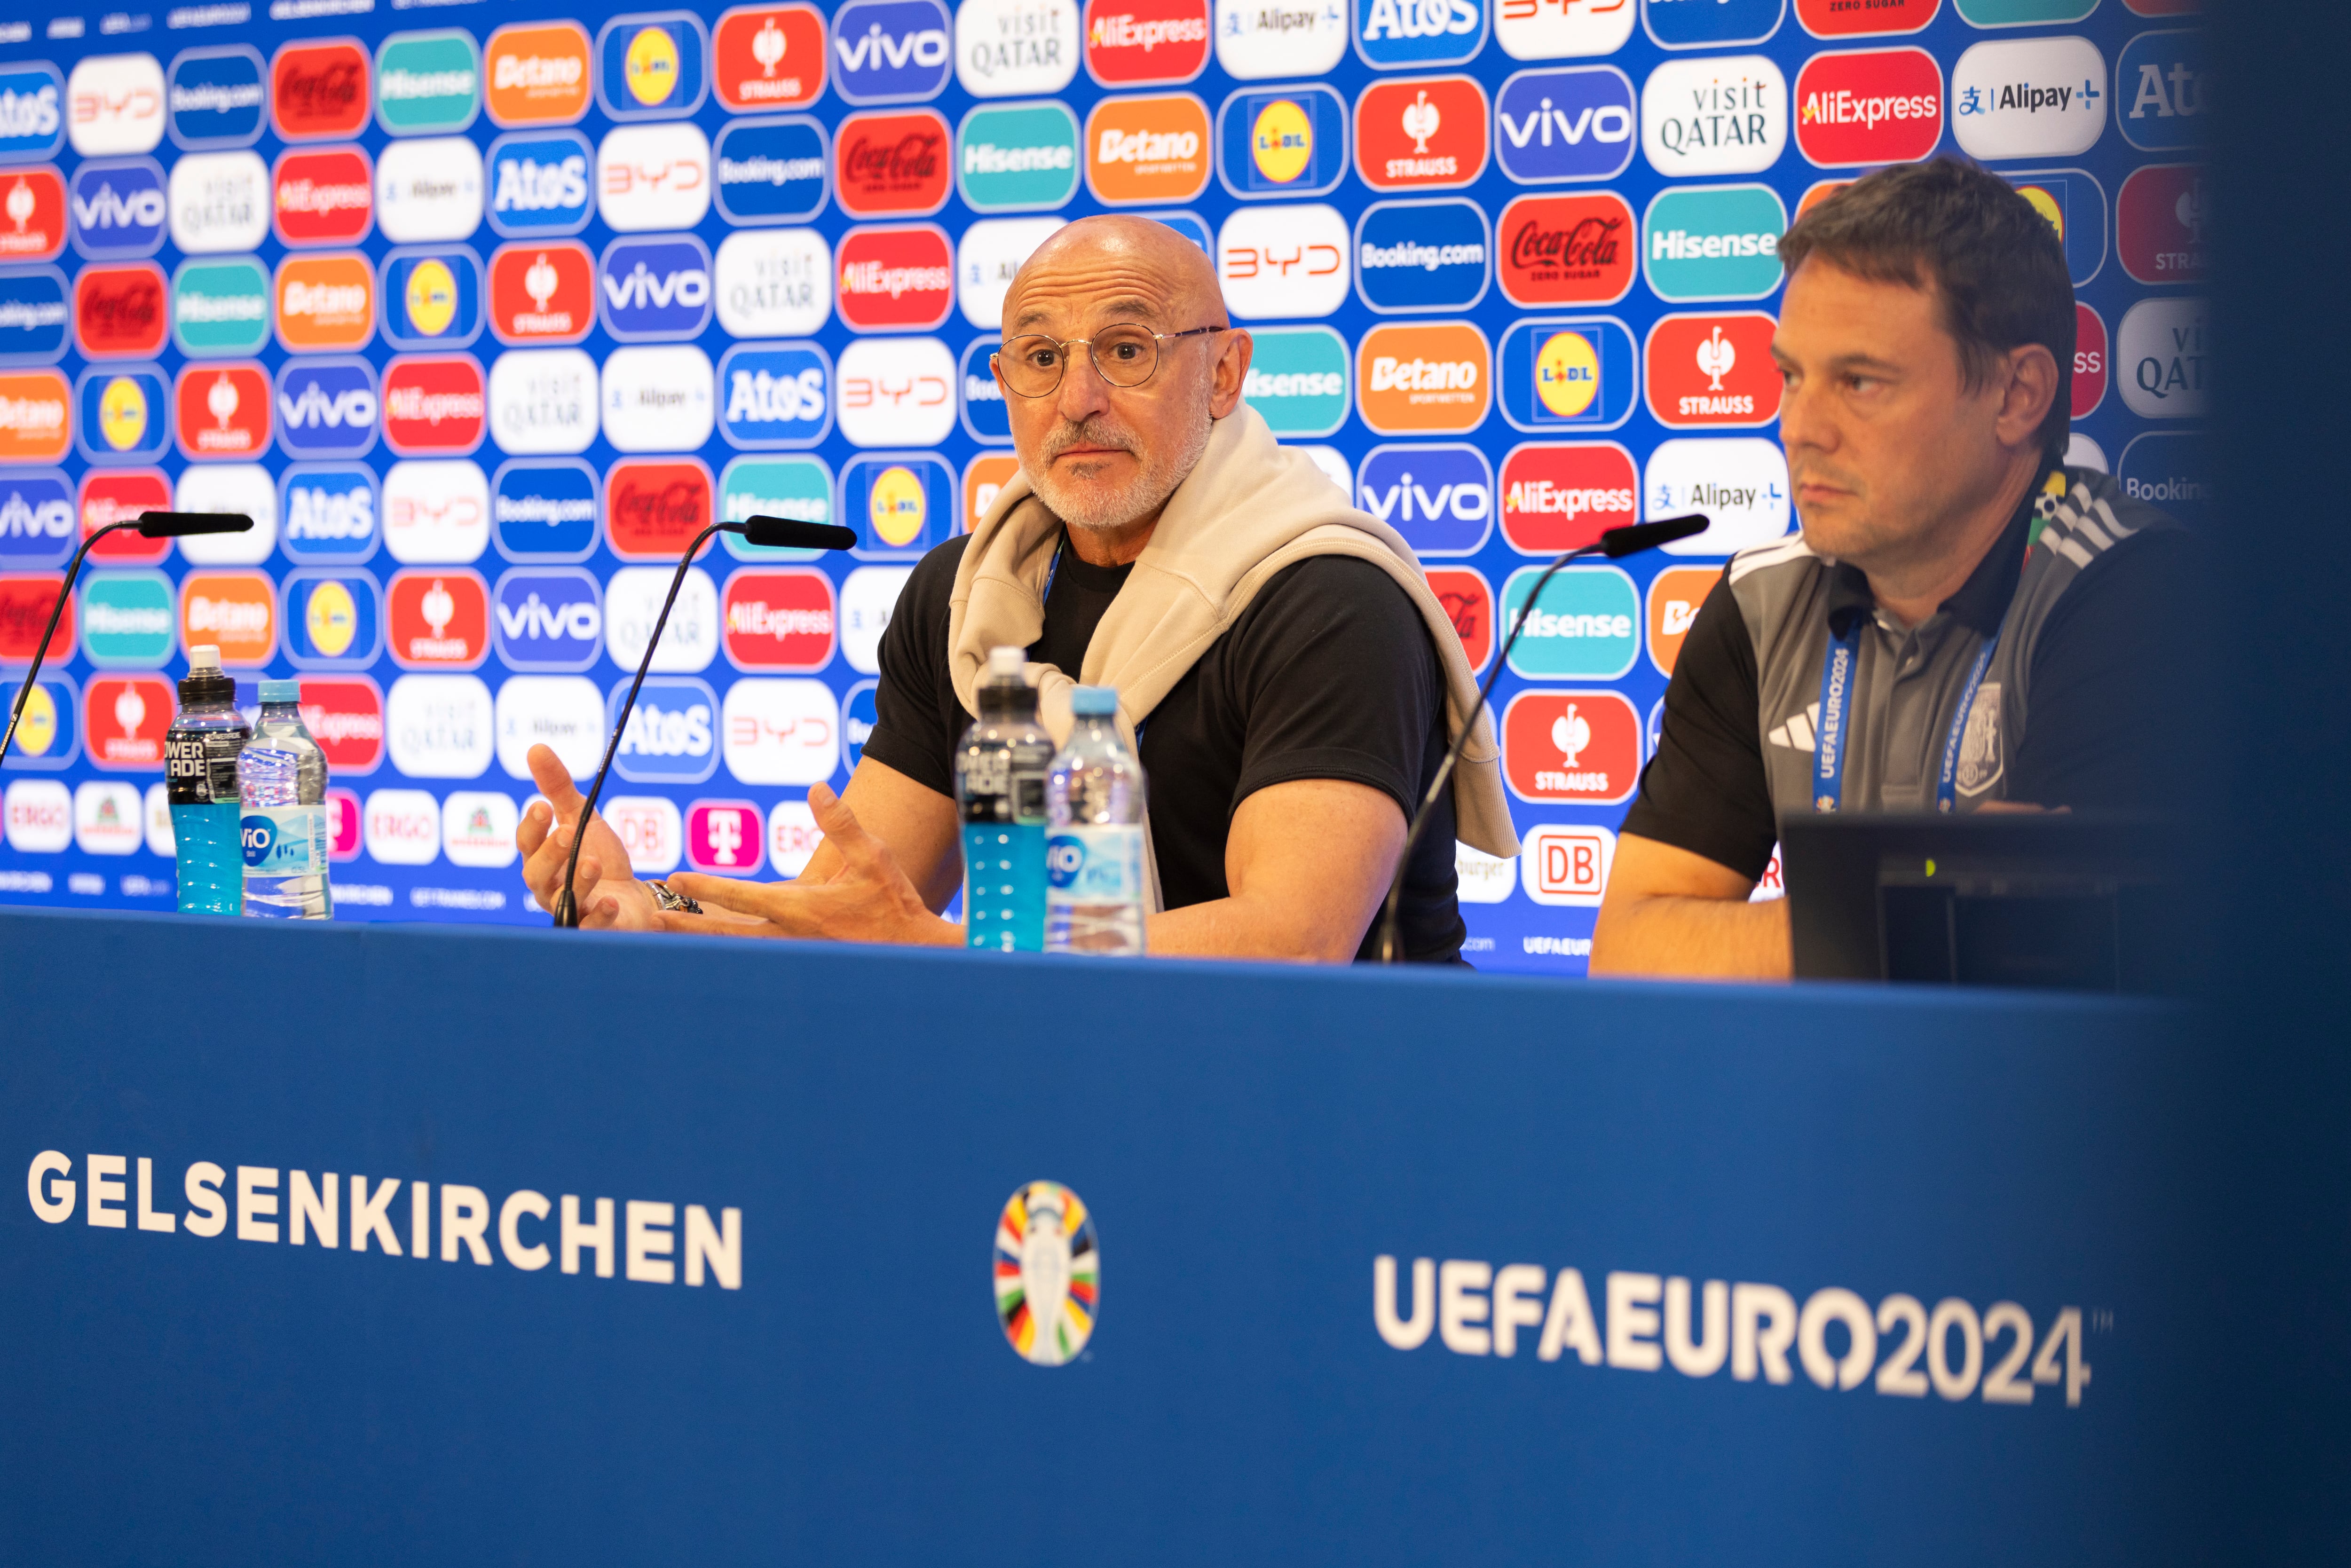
(210, 861)
(284, 841)
(1096, 881)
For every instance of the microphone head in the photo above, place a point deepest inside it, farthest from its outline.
(1634, 537)
(787, 533)
(180, 525)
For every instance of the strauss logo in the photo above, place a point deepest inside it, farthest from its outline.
(130, 711)
(1716, 355)
(539, 282)
(438, 607)
(2188, 210)
(1421, 120)
(1571, 732)
(767, 46)
(21, 203)
(222, 399)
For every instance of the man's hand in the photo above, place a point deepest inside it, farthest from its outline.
(609, 896)
(1671, 913)
(863, 896)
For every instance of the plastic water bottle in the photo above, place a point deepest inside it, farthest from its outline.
(200, 755)
(1000, 775)
(1095, 893)
(282, 780)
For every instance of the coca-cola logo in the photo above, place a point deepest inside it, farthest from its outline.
(119, 310)
(913, 155)
(654, 509)
(1568, 250)
(320, 90)
(893, 163)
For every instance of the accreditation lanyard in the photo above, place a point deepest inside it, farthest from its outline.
(1830, 736)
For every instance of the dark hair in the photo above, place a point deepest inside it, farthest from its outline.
(1987, 253)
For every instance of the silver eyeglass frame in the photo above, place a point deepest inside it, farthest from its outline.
(1064, 344)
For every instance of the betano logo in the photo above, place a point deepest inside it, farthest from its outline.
(1427, 133)
(1713, 371)
(1675, 595)
(769, 57)
(325, 302)
(1869, 106)
(1140, 43)
(1415, 378)
(235, 611)
(1147, 149)
(537, 74)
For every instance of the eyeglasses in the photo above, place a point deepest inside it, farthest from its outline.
(1124, 356)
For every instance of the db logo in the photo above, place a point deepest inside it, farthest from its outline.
(1568, 250)
(32, 215)
(1557, 498)
(542, 293)
(323, 198)
(120, 495)
(1468, 602)
(536, 75)
(119, 310)
(896, 279)
(984, 479)
(439, 619)
(1423, 134)
(1567, 866)
(345, 717)
(235, 611)
(892, 165)
(779, 618)
(24, 603)
(223, 411)
(432, 406)
(2159, 223)
(1869, 106)
(1842, 18)
(1283, 261)
(124, 718)
(1713, 371)
(2090, 358)
(1147, 149)
(35, 425)
(723, 838)
(769, 57)
(1675, 595)
(1423, 378)
(1577, 748)
(652, 509)
(318, 91)
(325, 302)
(1132, 43)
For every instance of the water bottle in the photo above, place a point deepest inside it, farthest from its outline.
(1095, 895)
(282, 781)
(1001, 795)
(200, 754)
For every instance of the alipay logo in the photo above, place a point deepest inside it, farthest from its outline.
(779, 396)
(1423, 256)
(1440, 497)
(548, 618)
(1716, 242)
(672, 733)
(654, 289)
(1572, 123)
(331, 513)
(545, 511)
(890, 51)
(327, 408)
(538, 184)
(119, 208)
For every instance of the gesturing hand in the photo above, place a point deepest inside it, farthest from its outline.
(609, 897)
(868, 897)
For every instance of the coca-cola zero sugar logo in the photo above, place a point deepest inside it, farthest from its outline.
(893, 165)
(320, 90)
(652, 508)
(119, 311)
(1574, 249)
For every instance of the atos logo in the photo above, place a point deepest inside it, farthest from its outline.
(325, 197)
(33, 204)
(1572, 372)
(893, 165)
(119, 208)
(2092, 359)
(1145, 149)
(1139, 43)
(548, 619)
(31, 122)
(772, 171)
(542, 293)
(34, 315)
(1401, 33)
(1587, 624)
(545, 511)
(1423, 256)
(672, 736)
(1438, 377)
(776, 397)
(2161, 89)
(899, 504)
(896, 391)
(1572, 123)
(440, 619)
(653, 177)
(650, 289)
(216, 97)
(769, 57)
(723, 838)
(431, 299)
(1575, 249)
(1469, 602)
(1274, 144)
(1564, 498)
(114, 104)
(1579, 748)
(536, 74)
(434, 405)
(223, 411)
(1423, 134)
(538, 184)
(890, 51)
(36, 521)
(652, 508)
(119, 311)
(2159, 223)
(1713, 369)
(652, 66)
(327, 408)
(1869, 106)
(334, 620)
(319, 90)
(1277, 262)
(778, 618)
(346, 718)
(895, 278)
(330, 512)
(1440, 499)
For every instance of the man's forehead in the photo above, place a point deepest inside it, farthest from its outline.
(1109, 269)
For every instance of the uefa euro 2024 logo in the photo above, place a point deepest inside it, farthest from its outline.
(1048, 1273)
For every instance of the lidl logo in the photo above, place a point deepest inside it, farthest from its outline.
(1427, 134)
(890, 51)
(542, 293)
(122, 414)
(36, 416)
(983, 478)
(1469, 602)
(1578, 749)
(37, 520)
(1568, 372)
(124, 718)
(772, 171)
(1713, 369)
(1283, 261)
(119, 311)
(48, 726)
(221, 307)
(1141, 151)
(545, 509)
(1675, 595)
(431, 298)
(323, 197)
(114, 104)
(2161, 89)
(723, 838)
(330, 510)
(110, 495)
(1569, 249)
(32, 122)
(778, 618)
(893, 163)
(537, 74)
(220, 202)
(235, 611)
(118, 207)
(1018, 157)
(334, 619)
(672, 736)
(1574, 123)
(539, 184)
(325, 302)
(2028, 98)
(1288, 143)
(650, 289)
(1559, 497)
(895, 278)
(1719, 115)
(800, 488)
(1740, 483)
(1713, 242)
(433, 406)
(652, 67)
(1397, 34)
(1844, 19)
(547, 617)
(438, 619)
(33, 206)
(900, 503)
(1141, 43)
(327, 407)
(1415, 378)
(2159, 223)
(769, 57)
(2075, 207)
(2092, 357)
(35, 316)
(1440, 498)
(652, 508)
(1567, 867)
(223, 411)
(1423, 256)
(1586, 625)
(318, 91)
(427, 83)
(775, 395)
(1705, 24)
(1869, 106)
(1297, 380)
(216, 97)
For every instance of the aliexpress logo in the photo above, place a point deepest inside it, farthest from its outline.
(223, 412)
(1575, 249)
(543, 293)
(2092, 357)
(433, 406)
(325, 302)
(1675, 595)
(319, 90)
(1424, 134)
(36, 421)
(323, 197)
(779, 618)
(32, 215)
(1713, 371)
(235, 611)
(1869, 106)
(345, 717)
(769, 57)
(1148, 150)
(110, 495)
(1468, 602)
(439, 619)
(1563, 497)
(1576, 748)
(536, 75)
(1417, 378)
(1131, 43)
(895, 278)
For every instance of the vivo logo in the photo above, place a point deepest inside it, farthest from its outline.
(548, 620)
(1440, 498)
(890, 51)
(534, 617)
(316, 408)
(641, 288)
(138, 204)
(878, 50)
(655, 288)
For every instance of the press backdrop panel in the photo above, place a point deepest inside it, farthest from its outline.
(486, 309)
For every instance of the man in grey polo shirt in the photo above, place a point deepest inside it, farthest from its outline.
(1963, 623)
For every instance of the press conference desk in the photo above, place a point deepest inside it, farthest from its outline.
(1249, 1139)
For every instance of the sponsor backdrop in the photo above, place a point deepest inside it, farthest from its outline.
(481, 312)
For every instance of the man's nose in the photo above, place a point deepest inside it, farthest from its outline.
(1083, 392)
(1803, 422)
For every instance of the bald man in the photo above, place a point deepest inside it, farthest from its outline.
(1284, 763)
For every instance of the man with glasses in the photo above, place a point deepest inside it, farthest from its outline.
(1278, 654)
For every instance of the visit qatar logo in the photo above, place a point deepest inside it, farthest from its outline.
(1048, 1273)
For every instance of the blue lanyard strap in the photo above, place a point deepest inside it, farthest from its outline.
(1831, 736)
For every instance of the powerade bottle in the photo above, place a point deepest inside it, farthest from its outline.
(200, 756)
(1001, 795)
(1095, 894)
(282, 779)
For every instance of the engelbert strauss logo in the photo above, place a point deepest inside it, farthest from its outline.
(1048, 1273)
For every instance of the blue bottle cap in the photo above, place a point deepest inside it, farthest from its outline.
(281, 691)
(1093, 702)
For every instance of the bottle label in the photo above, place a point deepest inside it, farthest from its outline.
(200, 765)
(1096, 864)
(285, 840)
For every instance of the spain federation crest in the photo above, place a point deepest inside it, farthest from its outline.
(1048, 1273)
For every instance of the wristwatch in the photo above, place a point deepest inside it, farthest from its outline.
(673, 902)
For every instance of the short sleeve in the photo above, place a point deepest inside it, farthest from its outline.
(914, 731)
(1704, 788)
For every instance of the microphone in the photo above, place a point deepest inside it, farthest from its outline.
(784, 533)
(151, 525)
(1612, 543)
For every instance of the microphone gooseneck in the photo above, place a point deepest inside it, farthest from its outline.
(1615, 544)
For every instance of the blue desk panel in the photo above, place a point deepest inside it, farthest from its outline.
(1249, 1139)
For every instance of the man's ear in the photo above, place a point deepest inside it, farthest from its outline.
(2031, 388)
(1230, 373)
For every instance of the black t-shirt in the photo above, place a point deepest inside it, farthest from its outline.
(1329, 673)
